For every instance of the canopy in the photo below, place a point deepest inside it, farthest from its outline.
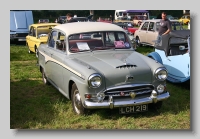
(136, 11)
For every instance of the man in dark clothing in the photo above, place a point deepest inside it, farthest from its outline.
(70, 19)
(165, 27)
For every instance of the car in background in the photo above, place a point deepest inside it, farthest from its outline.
(101, 72)
(125, 20)
(174, 53)
(138, 19)
(152, 17)
(148, 31)
(106, 20)
(185, 19)
(43, 21)
(20, 20)
(62, 19)
(38, 34)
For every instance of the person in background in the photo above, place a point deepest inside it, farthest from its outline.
(165, 27)
(70, 18)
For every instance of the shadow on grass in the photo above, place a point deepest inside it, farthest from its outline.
(32, 104)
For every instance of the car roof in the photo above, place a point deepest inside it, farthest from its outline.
(158, 20)
(78, 27)
(44, 24)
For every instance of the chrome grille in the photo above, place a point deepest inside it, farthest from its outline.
(141, 91)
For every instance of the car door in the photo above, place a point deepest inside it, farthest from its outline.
(31, 38)
(50, 62)
(151, 34)
(142, 32)
(58, 56)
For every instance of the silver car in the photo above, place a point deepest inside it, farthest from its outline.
(102, 71)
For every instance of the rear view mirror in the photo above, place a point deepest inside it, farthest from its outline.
(182, 47)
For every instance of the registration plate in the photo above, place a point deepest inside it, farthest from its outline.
(133, 109)
(21, 39)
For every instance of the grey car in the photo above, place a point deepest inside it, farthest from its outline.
(102, 71)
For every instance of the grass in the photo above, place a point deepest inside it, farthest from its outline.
(36, 106)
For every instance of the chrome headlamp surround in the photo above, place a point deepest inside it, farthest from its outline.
(161, 74)
(94, 80)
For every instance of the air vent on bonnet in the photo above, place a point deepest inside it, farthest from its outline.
(126, 66)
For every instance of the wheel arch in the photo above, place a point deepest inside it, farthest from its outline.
(155, 56)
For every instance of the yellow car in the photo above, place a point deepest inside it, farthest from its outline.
(38, 34)
(185, 19)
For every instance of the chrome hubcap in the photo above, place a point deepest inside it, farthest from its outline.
(77, 101)
(44, 78)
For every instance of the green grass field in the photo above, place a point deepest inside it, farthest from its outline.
(36, 106)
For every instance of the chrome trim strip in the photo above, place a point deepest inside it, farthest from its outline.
(48, 58)
(128, 86)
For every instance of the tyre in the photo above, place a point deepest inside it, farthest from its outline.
(76, 101)
(44, 78)
(138, 42)
(29, 51)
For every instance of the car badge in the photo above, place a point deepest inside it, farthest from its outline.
(132, 94)
(122, 94)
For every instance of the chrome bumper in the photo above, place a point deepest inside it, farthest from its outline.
(115, 104)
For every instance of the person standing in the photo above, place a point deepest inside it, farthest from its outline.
(165, 27)
(70, 19)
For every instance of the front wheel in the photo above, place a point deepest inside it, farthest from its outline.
(76, 101)
(29, 51)
(138, 42)
(44, 78)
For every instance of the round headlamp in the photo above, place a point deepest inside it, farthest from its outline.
(94, 80)
(161, 74)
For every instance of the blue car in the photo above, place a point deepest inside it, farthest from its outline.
(174, 53)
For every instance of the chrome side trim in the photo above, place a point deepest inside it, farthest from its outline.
(48, 58)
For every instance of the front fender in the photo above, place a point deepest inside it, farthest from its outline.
(155, 56)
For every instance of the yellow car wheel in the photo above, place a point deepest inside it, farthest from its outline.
(29, 51)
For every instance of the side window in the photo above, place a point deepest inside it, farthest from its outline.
(61, 42)
(151, 26)
(31, 31)
(145, 26)
(34, 32)
(52, 39)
